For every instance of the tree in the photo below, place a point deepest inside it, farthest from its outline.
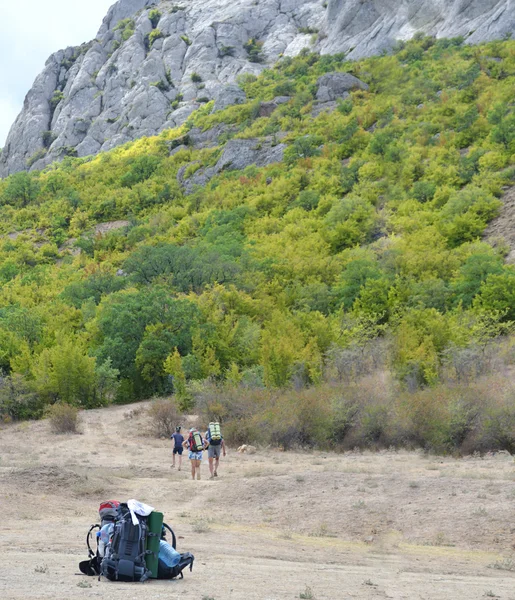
(21, 190)
(67, 373)
(497, 293)
(137, 331)
(107, 382)
(474, 271)
(303, 147)
(355, 275)
(173, 366)
(140, 169)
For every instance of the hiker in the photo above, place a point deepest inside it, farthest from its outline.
(215, 448)
(177, 440)
(196, 445)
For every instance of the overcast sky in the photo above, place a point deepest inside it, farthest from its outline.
(29, 32)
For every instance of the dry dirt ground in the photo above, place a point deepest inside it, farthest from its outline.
(273, 526)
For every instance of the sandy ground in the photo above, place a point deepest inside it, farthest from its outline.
(273, 526)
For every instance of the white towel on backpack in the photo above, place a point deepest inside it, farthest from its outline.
(138, 508)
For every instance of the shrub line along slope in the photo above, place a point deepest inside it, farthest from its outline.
(367, 233)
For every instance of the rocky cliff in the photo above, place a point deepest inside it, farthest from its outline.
(154, 62)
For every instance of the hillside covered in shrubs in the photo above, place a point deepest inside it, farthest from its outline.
(354, 271)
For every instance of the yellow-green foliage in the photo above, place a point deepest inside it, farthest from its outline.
(126, 27)
(371, 227)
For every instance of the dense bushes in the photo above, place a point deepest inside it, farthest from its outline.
(372, 413)
(363, 247)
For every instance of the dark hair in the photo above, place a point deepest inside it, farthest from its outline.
(178, 428)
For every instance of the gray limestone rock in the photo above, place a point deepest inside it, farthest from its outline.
(132, 80)
(333, 86)
(207, 139)
(228, 95)
(267, 108)
(236, 156)
(367, 27)
(327, 107)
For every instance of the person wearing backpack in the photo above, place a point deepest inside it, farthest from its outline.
(216, 447)
(196, 444)
(177, 440)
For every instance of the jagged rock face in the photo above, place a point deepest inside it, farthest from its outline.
(146, 72)
(332, 86)
(236, 156)
(368, 27)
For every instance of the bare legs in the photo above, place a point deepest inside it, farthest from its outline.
(213, 466)
(173, 461)
(195, 468)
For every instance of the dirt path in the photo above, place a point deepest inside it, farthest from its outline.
(272, 527)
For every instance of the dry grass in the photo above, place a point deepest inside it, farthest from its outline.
(373, 412)
(279, 527)
(201, 525)
(63, 418)
(164, 417)
(504, 564)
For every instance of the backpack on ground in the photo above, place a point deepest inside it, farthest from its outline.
(108, 512)
(215, 435)
(131, 552)
(124, 558)
(195, 441)
(166, 572)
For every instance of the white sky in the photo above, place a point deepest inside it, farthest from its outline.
(29, 32)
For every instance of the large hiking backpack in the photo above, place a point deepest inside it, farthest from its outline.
(215, 435)
(167, 572)
(123, 553)
(108, 512)
(124, 559)
(195, 441)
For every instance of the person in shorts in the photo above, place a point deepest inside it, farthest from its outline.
(177, 440)
(214, 451)
(195, 454)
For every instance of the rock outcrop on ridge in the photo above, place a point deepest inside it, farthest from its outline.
(153, 62)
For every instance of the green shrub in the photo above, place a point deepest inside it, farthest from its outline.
(48, 137)
(254, 50)
(154, 16)
(161, 85)
(150, 38)
(57, 97)
(308, 30)
(140, 169)
(424, 191)
(18, 400)
(196, 78)
(303, 147)
(225, 51)
(126, 27)
(38, 155)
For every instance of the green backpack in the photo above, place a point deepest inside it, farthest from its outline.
(195, 441)
(215, 435)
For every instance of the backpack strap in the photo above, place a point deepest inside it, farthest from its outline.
(90, 551)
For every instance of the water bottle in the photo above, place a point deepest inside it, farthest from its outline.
(104, 536)
(168, 554)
